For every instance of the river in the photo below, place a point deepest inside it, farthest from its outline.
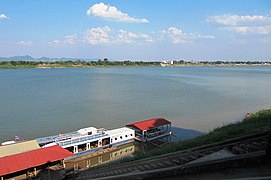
(41, 102)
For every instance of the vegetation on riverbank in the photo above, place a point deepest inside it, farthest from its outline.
(74, 64)
(106, 63)
(256, 122)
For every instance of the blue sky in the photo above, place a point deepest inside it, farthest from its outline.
(137, 30)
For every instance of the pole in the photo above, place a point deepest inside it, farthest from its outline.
(63, 164)
(35, 172)
(49, 172)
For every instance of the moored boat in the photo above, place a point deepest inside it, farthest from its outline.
(88, 140)
(65, 148)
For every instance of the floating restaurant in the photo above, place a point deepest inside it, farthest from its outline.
(151, 129)
(28, 158)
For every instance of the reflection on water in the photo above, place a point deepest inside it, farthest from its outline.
(112, 155)
(126, 150)
(41, 102)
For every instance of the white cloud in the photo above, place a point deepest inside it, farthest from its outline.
(236, 20)
(69, 39)
(54, 43)
(174, 31)
(250, 30)
(3, 16)
(178, 36)
(129, 37)
(112, 13)
(253, 24)
(204, 36)
(106, 35)
(99, 35)
(175, 35)
(25, 43)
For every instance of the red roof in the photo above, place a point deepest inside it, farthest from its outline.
(148, 124)
(30, 159)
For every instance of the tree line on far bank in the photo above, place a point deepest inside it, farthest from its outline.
(105, 62)
(77, 63)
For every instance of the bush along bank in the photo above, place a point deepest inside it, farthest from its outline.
(254, 123)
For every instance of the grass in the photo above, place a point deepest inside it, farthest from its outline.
(16, 67)
(256, 122)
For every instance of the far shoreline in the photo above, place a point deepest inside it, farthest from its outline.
(123, 64)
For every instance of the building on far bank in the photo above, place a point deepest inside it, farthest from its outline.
(166, 63)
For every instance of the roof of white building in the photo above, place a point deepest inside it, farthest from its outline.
(84, 131)
(119, 131)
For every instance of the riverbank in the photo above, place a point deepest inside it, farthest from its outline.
(109, 64)
(254, 123)
(244, 145)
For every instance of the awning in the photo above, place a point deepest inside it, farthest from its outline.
(149, 124)
(31, 159)
(18, 148)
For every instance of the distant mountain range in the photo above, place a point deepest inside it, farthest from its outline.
(30, 58)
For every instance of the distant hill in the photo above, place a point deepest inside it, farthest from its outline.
(29, 58)
(17, 58)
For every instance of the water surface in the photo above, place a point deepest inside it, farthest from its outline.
(40, 102)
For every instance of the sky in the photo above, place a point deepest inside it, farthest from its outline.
(137, 30)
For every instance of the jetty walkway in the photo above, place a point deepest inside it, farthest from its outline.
(244, 152)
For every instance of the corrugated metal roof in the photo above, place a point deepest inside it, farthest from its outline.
(148, 124)
(30, 159)
(17, 148)
(119, 130)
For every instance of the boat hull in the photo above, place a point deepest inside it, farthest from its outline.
(90, 151)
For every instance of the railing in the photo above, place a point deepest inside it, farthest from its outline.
(80, 140)
(151, 136)
(66, 136)
(158, 133)
(56, 138)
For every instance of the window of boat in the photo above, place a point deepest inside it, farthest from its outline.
(120, 137)
(126, 136)
(116, 138)
(131, 134)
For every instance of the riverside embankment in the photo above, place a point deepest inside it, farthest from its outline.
(241, 145)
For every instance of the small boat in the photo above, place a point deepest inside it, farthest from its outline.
(7, 143)
(89, 140)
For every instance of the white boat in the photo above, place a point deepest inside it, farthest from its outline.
(7, 143)
(88, 140)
